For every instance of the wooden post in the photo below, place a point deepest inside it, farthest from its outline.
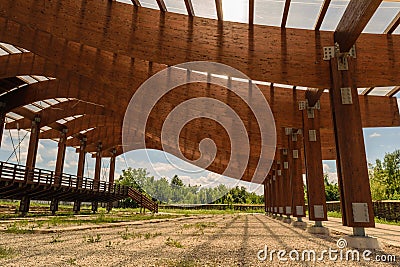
(81, 163)
(2, 120)
(32, 149)
(111, 177)
(274, 188)
(96, 180)
(97, 170)
(351, 161)
(313, 161)
(296, 174)
(286, 186)
(60, 158)
(279, 184)
(265, 196)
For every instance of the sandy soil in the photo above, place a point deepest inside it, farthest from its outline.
(220, 240)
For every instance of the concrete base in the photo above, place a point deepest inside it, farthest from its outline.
(362, 242)
(302, 225)
(318, 230)
(279, 218)
(287, 220)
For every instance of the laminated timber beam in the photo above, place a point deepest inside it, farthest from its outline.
(60, 111)
(355, 193)
(200, 39)
(218, 6)
(285, 13)
(356, 16)
(161, 5)
(393, 25)
(189, 7)
(251, 12)
(322, 13)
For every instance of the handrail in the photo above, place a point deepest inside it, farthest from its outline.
(14, 172)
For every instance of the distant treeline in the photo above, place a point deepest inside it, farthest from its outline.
(176, 192)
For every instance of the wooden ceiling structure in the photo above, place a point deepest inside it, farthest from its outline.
(98, 53)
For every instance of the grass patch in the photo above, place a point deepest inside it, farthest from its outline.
(173, 243)
(336, 214)
(151, 235)
(127, 235)
(56, 239)
(6, 252)
(16, 228)
(199, 225)
(188, 212)
(93, 239)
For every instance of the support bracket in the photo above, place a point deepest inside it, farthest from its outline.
(334, 52)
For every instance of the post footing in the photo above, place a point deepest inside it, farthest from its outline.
(362, 242)
(319, 230)
(302, 225)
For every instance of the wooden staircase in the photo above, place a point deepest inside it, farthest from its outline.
(143, 200)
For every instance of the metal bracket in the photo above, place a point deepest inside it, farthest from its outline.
(286, 165)
(360, 212)
(303, 105)
(334, 52)
(284, 151)
(288, 131)
(295, 154)
(312, 135)
(345, 92)
(310, 113)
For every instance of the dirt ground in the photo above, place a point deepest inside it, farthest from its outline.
(219, 240)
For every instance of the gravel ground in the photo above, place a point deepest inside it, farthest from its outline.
(220, 240)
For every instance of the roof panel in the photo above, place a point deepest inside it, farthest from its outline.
(236, 10)
(334, 14)
(176, 6)
(382, 17)
(268, 12)
(205, 8)
(297, 19)
(150, 4)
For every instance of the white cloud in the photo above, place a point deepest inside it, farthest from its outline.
(374, 135)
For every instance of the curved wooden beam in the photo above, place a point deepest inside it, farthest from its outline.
(60, 111)
(200, 37)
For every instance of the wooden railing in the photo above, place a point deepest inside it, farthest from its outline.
(143, 200)
(13, 172)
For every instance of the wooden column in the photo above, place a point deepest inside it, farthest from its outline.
(279, 184)
(60, 158)
(265, 196)
(80, 172)
(269, 194)
(296, 174)
(111, 177)
(32, 149)
(274, 188)
(313, 163)
(97, 170)
(2, 120)
(351, 161)
(96, 180)
(81, 163)
(112, 169)
(286, 186)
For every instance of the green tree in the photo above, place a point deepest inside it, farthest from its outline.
(385, 177)
(331, 190)
(176, 181)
